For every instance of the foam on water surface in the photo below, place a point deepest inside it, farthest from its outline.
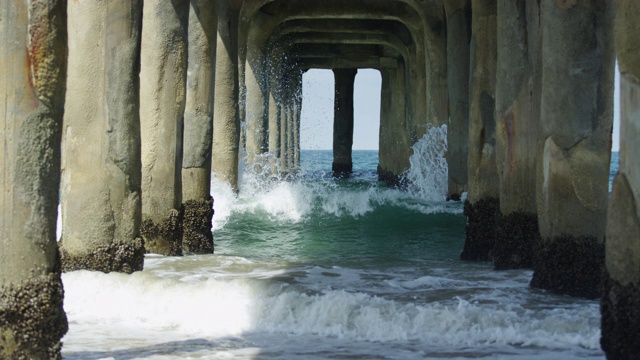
(178, 300)
(298, 198)
(429, 172)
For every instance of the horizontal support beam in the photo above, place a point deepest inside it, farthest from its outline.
(357, 27)
(301, 51)
(347, 63)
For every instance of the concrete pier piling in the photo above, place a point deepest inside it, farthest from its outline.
(482, 205)
(458, 40)
(620, 304)
(226, 117)
(101, 169)
(163, 77)
(198, 129)
(518, 88)
(33, 59)
(576, 119)
(343, 122)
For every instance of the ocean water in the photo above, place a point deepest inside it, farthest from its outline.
(317, 268)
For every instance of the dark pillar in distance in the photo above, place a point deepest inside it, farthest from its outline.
(343, 122)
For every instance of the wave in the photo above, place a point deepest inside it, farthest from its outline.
(217, 306)
(297, 200)
(362, 317)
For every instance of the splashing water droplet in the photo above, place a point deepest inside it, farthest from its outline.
(428, 174)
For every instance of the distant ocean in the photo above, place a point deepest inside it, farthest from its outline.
(317, 268)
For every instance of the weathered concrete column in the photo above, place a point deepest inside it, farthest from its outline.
(275, 90)
(482, 205)
(436, 76)
(386, 121)
(418, 101)
(101, 170)
(576, 117)
(620, 305)
(297, 113)
(343, 122)
(257, 101)
(226, 120)
(458, 38)
(290, 132)
(518, 91)
(287, 92)
(274, 123)
(198, 129)
(295, 85)
(284, 131)
(163, 76)
(33, 61)
(395, 131)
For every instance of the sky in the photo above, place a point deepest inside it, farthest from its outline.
(316, 123)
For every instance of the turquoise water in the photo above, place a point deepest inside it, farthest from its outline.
(317, 268)
(355, 222)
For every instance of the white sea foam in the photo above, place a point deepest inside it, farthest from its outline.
(142, 300)
(219, 306)
(432, 282)
(294, 200)
(358, 316)
(429, 172)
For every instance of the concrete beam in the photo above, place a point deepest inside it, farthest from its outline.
(400, 11)
(373, 62)
(389, 45)
(301, 51)
(340, 26)
(330, 56)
